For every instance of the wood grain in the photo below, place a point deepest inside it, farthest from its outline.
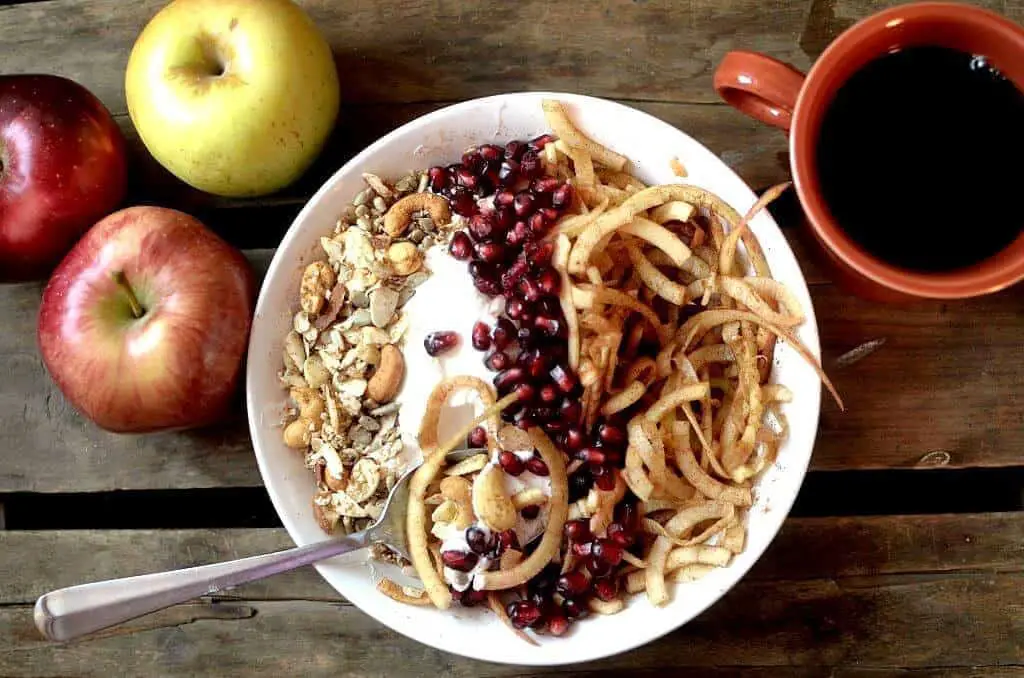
(36, 562)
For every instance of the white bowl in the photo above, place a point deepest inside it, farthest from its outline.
(440, 138)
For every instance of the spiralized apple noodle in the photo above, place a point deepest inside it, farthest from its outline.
(673, 318)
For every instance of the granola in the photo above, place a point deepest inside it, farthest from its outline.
(342, 361)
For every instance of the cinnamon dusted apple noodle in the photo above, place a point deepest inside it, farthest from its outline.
(630, 409)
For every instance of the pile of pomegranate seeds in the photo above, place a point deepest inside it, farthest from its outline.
(510, 205)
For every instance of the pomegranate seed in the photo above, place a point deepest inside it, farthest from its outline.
(530, 512)
(541, 141)
(487, 286)
(523, 613)
(490, 252)
(607, 551)
(504, 198)
(465, 177)
(525, 391)
(581, 549)
(497, 361)
(578, 530)
(491, 152)
(591, 455)
(618, 534)
(573, 583)
(546, 414)
(477, 540)
(538, 225)
(437, 177)
(598, 568)
(527, 337)
(472, 159)
(537, 467)
(531, 290)
(506, 381)
(524, 203)
(461, 246)
(463, 561)
(513, 274)
(573, 438)
(549, 281)
(437, 343)
(518, 234)
(477, 437)
(573, 609)
(571, 410)
(508, 172)
(538, 366)
(613, 457)
(514, 150)
(530, 165)
(539, 254)
(544, 185)
(562, 196)
(463, 203)
(503, 333)
(557, 625)
(548, 393)
(611, 435)
(481, 336)
(471, 597)
(515, 308)
(524, 420)
(510, 463)
(604, 478)
(549, 326)
(565, 380)
(506, 540)
(481, 226)
(606, 589)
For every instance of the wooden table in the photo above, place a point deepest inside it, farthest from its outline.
(905, 552)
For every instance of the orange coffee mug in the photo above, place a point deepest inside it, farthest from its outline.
(778, 94)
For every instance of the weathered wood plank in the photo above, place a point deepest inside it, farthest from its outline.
(35, 562)
(919, 393)
(903, 621)
(430, 50)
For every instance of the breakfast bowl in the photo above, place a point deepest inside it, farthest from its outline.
(654, 150)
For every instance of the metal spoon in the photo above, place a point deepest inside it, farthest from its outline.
(75, 611)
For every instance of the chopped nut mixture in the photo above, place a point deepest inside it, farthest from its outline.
(343, 362)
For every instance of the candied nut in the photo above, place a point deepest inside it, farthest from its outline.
(314, 371)
(298, 433)
(363, 480)
(447, 512)
(334, 483)
(387, 380)
(310, 402)
(383, 302)
(457, 489)
(398, 218)
(294, 351)
(326, 517)
(491, 504)
(405, 258)
(317, 279)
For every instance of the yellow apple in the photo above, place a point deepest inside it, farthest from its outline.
(234, 97)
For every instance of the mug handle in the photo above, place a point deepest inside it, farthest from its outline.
(760, 86)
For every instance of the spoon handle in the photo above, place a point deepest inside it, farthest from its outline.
(71, 612)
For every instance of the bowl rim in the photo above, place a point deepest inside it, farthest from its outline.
(781, 506)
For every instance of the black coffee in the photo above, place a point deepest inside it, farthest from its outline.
(920, 159)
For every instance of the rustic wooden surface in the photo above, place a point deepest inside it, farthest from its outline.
(852, 597)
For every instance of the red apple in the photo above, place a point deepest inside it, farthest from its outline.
(62, 168)
(145, 322)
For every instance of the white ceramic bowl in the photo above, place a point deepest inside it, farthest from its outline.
(440, 138)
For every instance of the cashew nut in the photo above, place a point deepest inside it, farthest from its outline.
(310, 402)
(398, 218)
(294, 352)
(317, 279)
(298, 433)
(405, 258)
(386, 381)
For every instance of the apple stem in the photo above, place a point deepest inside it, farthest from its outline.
(133, 301)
